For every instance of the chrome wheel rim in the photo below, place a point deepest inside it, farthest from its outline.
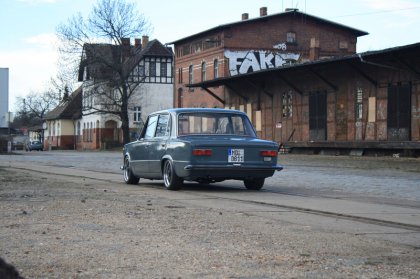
(126, 169)
(167, 174)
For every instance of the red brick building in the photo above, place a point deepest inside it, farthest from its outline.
(366, 102)
(248, 45)
(301, 82)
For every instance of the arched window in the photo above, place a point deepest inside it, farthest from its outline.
(91, 132)
(216, 68)
(190, 74)
(203, 71)
(84, 131)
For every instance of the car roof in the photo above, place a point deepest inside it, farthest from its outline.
(208, 110)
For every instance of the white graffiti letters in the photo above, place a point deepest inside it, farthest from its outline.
(250, 61)
(266, 60)
(242, 62)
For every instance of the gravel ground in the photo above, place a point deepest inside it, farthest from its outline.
(64, 227)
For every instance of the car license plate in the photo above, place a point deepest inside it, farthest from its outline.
(236, 155)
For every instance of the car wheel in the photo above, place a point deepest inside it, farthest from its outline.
(254, 184)
(171, 180)
(129, 177)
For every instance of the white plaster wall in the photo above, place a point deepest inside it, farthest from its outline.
(151, 97)
(67, 128)
(4, 97)
(91, 119)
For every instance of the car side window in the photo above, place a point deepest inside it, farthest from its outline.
(151, 127)
(162, 126)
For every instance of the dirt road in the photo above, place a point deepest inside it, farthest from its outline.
(60, 226)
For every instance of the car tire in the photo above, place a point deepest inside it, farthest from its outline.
(129, 177)
(171, 180)
(254, 183)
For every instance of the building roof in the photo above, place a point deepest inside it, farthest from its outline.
(292, 12)
(99, 57)
(96, 68)
(396, 52)
(153, 48)
(71, 108)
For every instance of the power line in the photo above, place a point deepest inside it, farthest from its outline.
(378, 12)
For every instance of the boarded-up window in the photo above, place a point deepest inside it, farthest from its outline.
(372, 109)
(249, 111)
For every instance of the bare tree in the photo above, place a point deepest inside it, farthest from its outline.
(63, 81)
(101, 38)
(33, 107)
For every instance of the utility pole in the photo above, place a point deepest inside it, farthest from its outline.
(9, 143)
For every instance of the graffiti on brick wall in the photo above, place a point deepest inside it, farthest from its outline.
(243, 62)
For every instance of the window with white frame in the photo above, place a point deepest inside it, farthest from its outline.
(359, 103)
(190, 74)
(287, 104)
(291, 37)
(216, 68)
(152, 68)
(84, 132)
(163, 69)
(137, 114)
(203, 71)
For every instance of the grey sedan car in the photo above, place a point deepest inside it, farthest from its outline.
(202, 145)
(34, 145)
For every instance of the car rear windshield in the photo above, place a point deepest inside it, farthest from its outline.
(214, 123)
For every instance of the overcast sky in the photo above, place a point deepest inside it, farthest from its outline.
(28, 46)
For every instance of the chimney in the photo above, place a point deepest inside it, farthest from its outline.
(263, 11)
(137, 42)
(125, 41)
(144, 40)
(245, 16)
(314, 49)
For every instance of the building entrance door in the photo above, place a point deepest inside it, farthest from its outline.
(318, 116)
(399, 112)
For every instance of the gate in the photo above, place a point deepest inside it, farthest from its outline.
(318, 116)
(399, 112)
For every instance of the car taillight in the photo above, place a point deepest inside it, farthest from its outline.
(268, 153)
(202, 152)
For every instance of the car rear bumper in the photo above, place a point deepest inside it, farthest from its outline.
(233, 168)
(224, 172)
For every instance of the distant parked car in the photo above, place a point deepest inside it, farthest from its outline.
(202, 145)
(34, 145)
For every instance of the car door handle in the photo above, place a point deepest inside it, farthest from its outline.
(163, 145)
